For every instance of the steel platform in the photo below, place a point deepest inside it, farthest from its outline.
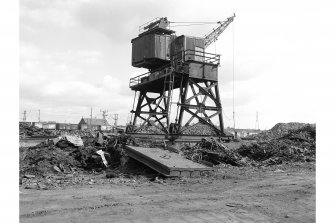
(167, 163)
(178, 138)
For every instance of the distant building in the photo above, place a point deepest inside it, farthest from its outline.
(38, 124)
(26, 123)
(49, 125)
(66, 126)
(241, 133)
(94, 124)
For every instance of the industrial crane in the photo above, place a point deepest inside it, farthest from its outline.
(177, 63)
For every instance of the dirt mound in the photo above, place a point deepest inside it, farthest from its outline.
(284, 127)
(280, 130)
(305, 133)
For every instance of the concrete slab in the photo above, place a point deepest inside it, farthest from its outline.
(166, 162)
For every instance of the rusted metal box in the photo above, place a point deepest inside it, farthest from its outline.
(202, 71)
(151, 51)
(186, 48)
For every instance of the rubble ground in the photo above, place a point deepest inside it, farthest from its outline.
(268, 179)
(277, 193)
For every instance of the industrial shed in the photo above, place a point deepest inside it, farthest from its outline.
(94, 123)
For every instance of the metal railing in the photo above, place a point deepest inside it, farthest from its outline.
(144, 26)
(180, 57)
(198, 56)
(155, 74)
(137, 80)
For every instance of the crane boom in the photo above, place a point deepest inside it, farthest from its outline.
(212, 36)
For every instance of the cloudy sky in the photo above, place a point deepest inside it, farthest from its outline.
(76, 54)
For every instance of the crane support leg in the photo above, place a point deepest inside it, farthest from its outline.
(203, 103)
(153, 110)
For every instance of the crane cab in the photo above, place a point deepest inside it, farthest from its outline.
(189, 56)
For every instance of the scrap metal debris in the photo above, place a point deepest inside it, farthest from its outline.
(212, 150)
(68, 155)
(281, 143)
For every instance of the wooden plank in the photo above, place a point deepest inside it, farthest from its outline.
(164, 161)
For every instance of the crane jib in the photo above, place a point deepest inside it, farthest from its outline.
(212, 36)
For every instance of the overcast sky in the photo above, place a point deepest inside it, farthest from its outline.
(75, 55)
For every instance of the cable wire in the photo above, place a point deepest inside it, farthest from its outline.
(189, 25)
(226, 115)
(197, 22)
(234, 76)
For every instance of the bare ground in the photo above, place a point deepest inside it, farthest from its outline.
(284, 193)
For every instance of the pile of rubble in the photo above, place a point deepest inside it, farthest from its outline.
(282, 144)
(73, 155)
(69, 160)
(79, 133)
(64, 154)
(293, 142)
(26, 130)
(213, 151)
(279, 130)
(198, 129)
